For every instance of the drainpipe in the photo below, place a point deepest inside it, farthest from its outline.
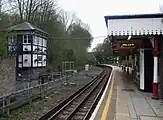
(122, 64)
(133, 65)
(125, 64)
(128, 65)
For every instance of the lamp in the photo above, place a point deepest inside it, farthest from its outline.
(129, 37)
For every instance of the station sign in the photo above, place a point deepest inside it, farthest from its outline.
(128, 45)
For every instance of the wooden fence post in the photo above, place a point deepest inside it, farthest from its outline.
(8, 103)
(3, 104)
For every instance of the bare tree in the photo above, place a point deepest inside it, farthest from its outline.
(32, 9)
(0, 6)
(161, 8)
(68, 19)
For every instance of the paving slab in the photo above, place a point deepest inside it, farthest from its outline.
(142, 107)
(132, 104)
(131, 109)
(122, 111)
(122, 117)
(150, 118)
(155, 104)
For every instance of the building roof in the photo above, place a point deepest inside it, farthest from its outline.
(154, 15)
(25, 26)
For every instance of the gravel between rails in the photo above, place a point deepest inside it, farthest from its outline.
(52, 97)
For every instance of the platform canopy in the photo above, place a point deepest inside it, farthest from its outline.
(137, 29)
(122, 26)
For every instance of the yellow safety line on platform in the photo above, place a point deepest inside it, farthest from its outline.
(105, 110)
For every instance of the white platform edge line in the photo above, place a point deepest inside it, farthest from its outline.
(102, 97)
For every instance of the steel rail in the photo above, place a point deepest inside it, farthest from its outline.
(95, 102)
(74, 105)
(48, 115)
(85, 99)
(85, 95)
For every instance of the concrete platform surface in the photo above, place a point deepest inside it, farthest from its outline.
(131, 104)
(150, 118)
(140, 104)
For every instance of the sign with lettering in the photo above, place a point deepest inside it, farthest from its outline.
(128, 45)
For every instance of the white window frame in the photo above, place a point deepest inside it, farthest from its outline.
(35, 40)
(26, 39)
(44, 42)
(40, 41)
(29, 39)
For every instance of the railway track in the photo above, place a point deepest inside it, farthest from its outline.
(80, 105)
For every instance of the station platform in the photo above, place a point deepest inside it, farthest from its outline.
(123, 101)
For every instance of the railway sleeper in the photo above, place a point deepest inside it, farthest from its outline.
(82, 96)
(90, 102)
(87, 104)
(73, 105)
(77, 117)
(69, 109)
(60, 117)
(85, 107)
(80, 113)
(65, 112)
(76, 102)
(83, 110)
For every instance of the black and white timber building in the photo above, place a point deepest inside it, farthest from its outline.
(28, 44)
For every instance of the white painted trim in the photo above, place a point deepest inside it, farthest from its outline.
(135, 27)
(155, 72)
(134, 33)
(141, 69)
(103, 95)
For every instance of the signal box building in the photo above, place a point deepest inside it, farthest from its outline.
(28, 44)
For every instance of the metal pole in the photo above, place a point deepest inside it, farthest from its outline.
(30, 101)
(73, 65)
(8, 103)
(3, 104)
(155, 94)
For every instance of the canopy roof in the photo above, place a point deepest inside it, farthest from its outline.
(134, 25)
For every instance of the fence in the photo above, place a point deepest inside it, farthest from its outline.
(16, 99)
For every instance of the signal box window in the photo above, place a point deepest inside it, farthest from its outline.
(27, 39)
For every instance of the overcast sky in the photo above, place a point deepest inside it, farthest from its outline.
(93, 11)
